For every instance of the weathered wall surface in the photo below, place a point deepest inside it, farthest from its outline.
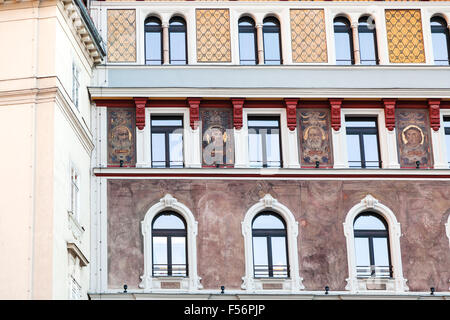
(320, 208)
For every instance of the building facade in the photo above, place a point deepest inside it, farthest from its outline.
(49, 50)
(271, 149)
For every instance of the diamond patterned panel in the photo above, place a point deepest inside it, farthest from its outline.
(404, 35)
(309, 42)
(213, 35)
(121, 35)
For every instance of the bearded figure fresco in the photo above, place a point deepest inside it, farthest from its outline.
(314, 136)
(413, 138)
(217, 137)
(121, 137)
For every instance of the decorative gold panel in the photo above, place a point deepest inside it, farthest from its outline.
(309, 40)
(213, 35)
(404, 35)
(121, 35)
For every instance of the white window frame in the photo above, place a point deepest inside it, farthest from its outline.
(74, 208)
(440, 153)
(386, 139)
(294, 282)
(192, 281)
(397, 284)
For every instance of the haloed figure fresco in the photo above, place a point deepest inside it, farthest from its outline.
(217, 143)
(314, 138)
(413, 138)
(121, 137)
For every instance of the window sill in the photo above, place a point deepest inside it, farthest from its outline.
(271, 284)
(374, 284)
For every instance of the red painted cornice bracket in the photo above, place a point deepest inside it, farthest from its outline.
(194, 112)
(435, 113)
(291, 112)
(140, 112)
(238, 105)
(335, 105)
(389, 113)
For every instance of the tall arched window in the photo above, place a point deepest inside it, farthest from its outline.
(440, 38)
(372, 246)
(177, 41)
(270, 257)
(343, 39)
(247, 41)
(272, 41)
(367, 41)
(153, 41)
(169, 245)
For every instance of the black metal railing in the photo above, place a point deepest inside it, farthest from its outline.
(173, 270)
(374, 271)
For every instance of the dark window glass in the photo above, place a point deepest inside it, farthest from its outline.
(272, 41)
(372, 246)
(367, 41)
(247, 41)
(169, 245)
(343, 40)
(167, 141)
(264, 142)
(270, 259)
(153, 41)
(177, 41)
(362, 142)
(447, 137)
(440, 39)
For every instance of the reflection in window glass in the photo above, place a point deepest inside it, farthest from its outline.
(153, 41)
(362, 142)
(167, 141)
(272, 41)
(440, 39)
(177, 41)
(343, 42)
(247, 41)
(367, 41)
(264, 142)
(362, 251)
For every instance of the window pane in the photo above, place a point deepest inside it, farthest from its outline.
(247, 52)
(272, 48)
(440, 48)
(177, 48)
(343, 47)
(368, 222)
(255, 148)
(260, 258)
(371, 150)
(447, 143)
(354, 151)
(168, 221)
(158, 149)
(167, 122)
(266, 221)
(262, 123)
(362, 252)
(273, 148)
(153, 47)
(381, 253)
(176, 149)
(367, 48)
(159, 250)
(178, 256)
(279, 258)
(359, 123)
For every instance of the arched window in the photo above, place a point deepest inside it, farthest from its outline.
(269, 246)
(372, 246)
(367, 41)
(440, 39)
(153, 41)
(343, 39)
(272, 41)
(177, 41)
(247, 41)
(169, 245)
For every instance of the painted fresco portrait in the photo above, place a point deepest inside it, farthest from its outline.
(217, 137)
(314, 136)
(413, 138)
(121, 137)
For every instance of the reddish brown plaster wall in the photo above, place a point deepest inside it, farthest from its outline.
(320, 207)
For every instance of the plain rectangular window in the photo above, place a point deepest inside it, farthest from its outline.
(167, 141)
(75, 84)
(74, 194)
(362, 142)
(447, 137)
(264, 142)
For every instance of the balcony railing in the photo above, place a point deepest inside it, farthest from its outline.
(374, 271)
(278, 271)
(173, 270)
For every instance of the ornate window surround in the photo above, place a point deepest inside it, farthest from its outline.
(186, 284)
(292, 284)
(397, 284)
